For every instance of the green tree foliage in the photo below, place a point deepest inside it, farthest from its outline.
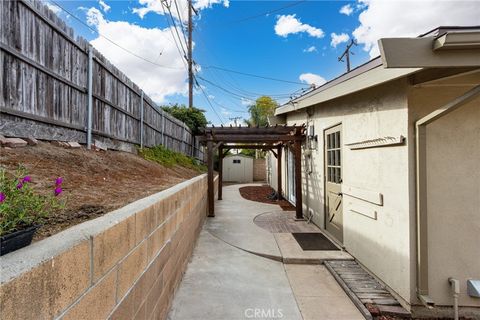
(248, 152)
(194, 118)
(260, 110)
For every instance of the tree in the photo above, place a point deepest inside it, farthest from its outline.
(193, 117)
(249, 152)
(259, 112)
(264, 106)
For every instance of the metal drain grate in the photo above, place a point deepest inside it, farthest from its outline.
(364, 289)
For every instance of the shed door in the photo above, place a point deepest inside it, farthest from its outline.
(333, 182)
(237, 170)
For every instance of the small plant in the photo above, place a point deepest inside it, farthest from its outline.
(169, 158)
(20, 206)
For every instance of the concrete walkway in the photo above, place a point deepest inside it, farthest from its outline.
(233, 223)
(225, 280)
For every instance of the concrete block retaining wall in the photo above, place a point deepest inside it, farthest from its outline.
(124, 265)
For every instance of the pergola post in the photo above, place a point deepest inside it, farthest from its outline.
(279, 172)
(220, 172)
(298, 178)
(210, 185)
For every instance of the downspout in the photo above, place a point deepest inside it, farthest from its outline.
(308, 167)
(421, 189)
(455, 285)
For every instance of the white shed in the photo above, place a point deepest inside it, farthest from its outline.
(237, 168)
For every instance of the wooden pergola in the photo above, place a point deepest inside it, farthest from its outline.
(270, 138)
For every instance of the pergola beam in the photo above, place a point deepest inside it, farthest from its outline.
(247, 138)
(252, 146)
(267, 138)
(251, 130)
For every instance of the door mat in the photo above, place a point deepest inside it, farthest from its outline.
(314, 241)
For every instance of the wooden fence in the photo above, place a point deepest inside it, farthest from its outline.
(44, 88)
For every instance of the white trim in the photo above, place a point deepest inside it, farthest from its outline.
(368, 79)
(377, 142)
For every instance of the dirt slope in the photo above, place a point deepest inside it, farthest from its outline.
(95, 182)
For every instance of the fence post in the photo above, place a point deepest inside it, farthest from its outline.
(89, 97)
(163, 128)
(141, 119)
(184, 143)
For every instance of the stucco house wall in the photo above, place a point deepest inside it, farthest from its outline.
(386, 244)
(382, 244)
(453, 190)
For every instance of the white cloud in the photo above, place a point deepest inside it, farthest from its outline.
(105, 7)
(204, 4)
(381, 19)
(312, 78)
(246, 102)
(157, 82)
(346, 10)
(289, 24)
(310, 49)
(338, 38)
(225, 112)
(53, 8)
(156, 6)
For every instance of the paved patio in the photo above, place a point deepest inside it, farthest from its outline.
(237, 271)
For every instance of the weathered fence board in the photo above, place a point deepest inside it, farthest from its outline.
(43, 83)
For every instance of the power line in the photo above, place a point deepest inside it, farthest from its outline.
(164, 3)
(226, 108)
(170, 27)
(253, 75)
(111, 41)
(234, 85)
(234, 93)
(237, 88)
(259, 15)
(210, 103)
(223, 89)
(181, 19)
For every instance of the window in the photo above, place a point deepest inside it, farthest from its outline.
(334, 161)
(236, 160)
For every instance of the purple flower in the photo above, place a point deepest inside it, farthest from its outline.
(20, 185)
(26, 179)
(57, 191)
(2, 197)
(58, 181)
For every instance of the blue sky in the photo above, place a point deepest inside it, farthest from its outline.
(244, 36)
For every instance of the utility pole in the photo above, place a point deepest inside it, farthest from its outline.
(234, 119)
(347, 54)
(190, 59)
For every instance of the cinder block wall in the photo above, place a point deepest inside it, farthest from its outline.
(124, 265)
(259, 170)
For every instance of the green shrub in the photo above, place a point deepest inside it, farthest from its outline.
(169, 158)
(20, 206)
